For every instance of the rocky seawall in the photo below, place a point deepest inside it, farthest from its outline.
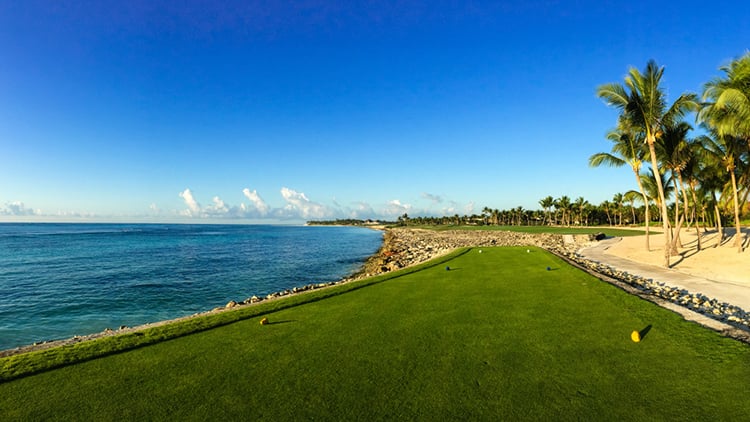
(403, 247)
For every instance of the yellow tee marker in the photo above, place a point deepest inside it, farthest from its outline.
(635, 336)
(264, 321)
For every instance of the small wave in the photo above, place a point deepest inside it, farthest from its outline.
(147, 285)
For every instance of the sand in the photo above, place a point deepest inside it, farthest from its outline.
(716, 271)
(720, 263)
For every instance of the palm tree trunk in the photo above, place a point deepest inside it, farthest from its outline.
(695, 217)
(719, 229)
(646, 204)
(738, 232)
(684, 199)
(676, 241)
(652, 152)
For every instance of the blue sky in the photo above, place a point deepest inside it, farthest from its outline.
(268, 111)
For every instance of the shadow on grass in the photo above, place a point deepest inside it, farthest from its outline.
(644, 331)
(285, 321)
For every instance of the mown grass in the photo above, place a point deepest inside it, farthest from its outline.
(609, 231)
(21, 365)
(498, 337)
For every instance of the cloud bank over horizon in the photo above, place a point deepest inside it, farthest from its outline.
(18, 208)
(296, 206)
(291, 206)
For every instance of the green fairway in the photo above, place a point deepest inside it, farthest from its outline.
(496, 337)
(609, 231)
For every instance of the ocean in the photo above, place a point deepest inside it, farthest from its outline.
(62, 280)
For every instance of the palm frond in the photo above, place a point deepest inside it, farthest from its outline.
(605, 158)
(613, 95)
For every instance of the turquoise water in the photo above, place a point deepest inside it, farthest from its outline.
(61, 280)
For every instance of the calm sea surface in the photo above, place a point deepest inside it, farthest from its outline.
(61, 280)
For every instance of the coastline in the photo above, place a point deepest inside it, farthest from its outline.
(401, 248)
(405, 247)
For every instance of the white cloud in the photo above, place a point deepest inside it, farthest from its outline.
(363, 206)
(298, 205)
(194, 208)
(260, 205)
(469, 208)
(18, 208)
(219, 208)
(451, 208)
(436, 199)
(396, 208)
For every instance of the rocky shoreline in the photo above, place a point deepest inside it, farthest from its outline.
(404, 247)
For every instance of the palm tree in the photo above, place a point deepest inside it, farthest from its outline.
(728, 108)
(518, 211)
(546, 203)
(674, 151)
(617, 200)
(691, 173)
(606, 206)
(643, 104)
(486, 212)
(630, 197)
(580, 204)
(627, 148)
(711, 182)
(563, 203)
(586, 212)
(556, 204)
(726, 150)
(727, 111)
(650, 185)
